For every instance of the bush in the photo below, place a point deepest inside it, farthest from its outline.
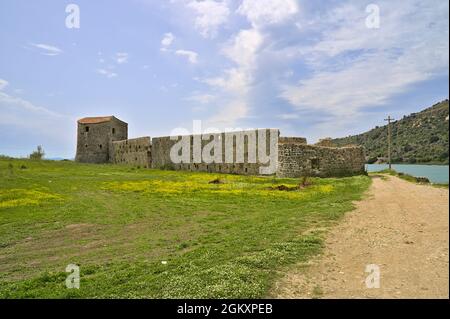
(38, 154)
(434, 139)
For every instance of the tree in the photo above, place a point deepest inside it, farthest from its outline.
(38, 154)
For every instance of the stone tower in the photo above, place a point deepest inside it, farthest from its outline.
(95, 137)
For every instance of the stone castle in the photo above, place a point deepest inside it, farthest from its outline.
(105, 140)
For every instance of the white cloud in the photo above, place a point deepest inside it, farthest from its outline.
(47, 49)
(229, 114)
(191, 55)
(354, 67)
(121, 57)
(201, 98)
(288, 116)
(109, 74)
(243, 47)
(211, 15)
(33, 123)
(263, 12)
(233, 81)
(3, 84)
(167, 40)
(24, 105)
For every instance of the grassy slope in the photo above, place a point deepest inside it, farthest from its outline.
(118, 224)
(420, 137)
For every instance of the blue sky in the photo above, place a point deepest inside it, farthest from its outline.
(310, 68)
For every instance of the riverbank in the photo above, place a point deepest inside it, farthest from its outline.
(437, 174)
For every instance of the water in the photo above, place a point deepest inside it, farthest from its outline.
(435, 173)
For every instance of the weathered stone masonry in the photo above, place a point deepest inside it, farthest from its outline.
(95, 138)
(104, 140)
(136, 151)
(161, 147)
(295, 160)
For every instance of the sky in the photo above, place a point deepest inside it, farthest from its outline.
(310, 68)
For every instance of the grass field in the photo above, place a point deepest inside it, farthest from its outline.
(139, 233)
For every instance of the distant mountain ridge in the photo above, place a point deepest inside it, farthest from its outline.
(417, 138)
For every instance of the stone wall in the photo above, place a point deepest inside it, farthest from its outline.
(235, 162)
(296, 160)
(136, 152)
(94, 142)
(327, 142)
(104, 139)
(118, 132)
(296, 140)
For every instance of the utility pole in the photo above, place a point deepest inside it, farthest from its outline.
(389, 119)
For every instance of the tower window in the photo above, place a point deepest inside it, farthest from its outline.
(315, 164)
(114, 130)
(86, 128)
(100, 146)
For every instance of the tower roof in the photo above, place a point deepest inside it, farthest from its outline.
(96, 119)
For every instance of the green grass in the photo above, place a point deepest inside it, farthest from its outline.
(139, 233)
(439, 185)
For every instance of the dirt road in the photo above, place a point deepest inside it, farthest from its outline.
(402, 228)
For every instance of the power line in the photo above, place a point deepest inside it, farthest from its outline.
(389, 120)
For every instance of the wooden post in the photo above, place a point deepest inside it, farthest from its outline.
(389, 119)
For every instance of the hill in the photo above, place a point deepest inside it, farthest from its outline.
(417, 138)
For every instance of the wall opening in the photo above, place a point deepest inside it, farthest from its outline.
(113, 130)
(315, 163)
(86, 129)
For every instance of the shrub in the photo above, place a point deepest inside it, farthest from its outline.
(38, 154)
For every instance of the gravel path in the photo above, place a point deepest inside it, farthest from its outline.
(401, 227)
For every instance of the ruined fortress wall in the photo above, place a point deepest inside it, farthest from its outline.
(222, 162)
(327, 142)
(118, 132)
(296, 140)
(296, 160)
(103, 141)
(136, 152)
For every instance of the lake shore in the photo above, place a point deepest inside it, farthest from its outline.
(437, 174)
